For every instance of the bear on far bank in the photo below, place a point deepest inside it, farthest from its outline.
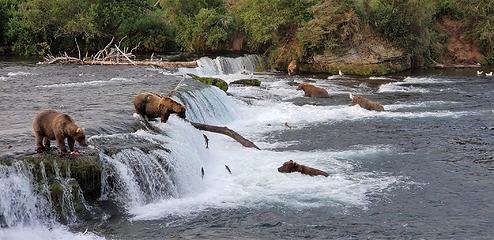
(151, 105)
(313, 91)
(293, 68)
(52, 125)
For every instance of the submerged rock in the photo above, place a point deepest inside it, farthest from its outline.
(247, 82)
(211, 81)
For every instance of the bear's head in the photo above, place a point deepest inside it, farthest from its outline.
(303, 86)
(288, 167)
(170, 104)
(357, 99)
(80, 137)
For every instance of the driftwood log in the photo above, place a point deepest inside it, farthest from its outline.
(225, 131)
(204, 127)
(115, 55)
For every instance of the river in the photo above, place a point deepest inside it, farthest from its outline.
(422, 169)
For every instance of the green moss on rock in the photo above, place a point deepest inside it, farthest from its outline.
(356, 69)
(85, 169)
(248, 82)
(212, 81)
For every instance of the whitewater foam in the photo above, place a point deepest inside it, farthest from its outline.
(90, 83)
(13, 74)
(255, 182)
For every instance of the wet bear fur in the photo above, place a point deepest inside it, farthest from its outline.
(366, 103)
(293, 68)
(291, 166)
(152, 105)
(52, 125)
(313, 91)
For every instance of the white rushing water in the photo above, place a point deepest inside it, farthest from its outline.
(25, 214)
(254, 181)
(162, 183)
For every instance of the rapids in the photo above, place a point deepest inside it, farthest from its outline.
(393, 174)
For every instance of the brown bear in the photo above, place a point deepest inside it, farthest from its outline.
(152, 105)
(313, 91)
(291, 166)
(366, 103)
(52, 125)
(293, 68)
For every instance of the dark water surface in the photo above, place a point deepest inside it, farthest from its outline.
(438, 136)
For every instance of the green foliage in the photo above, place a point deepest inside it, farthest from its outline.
(265, 20)
(209, 30)
(152, 31)
(406, 22)
(7, 11)
(283, 29)
(50, 22)
(335, 26)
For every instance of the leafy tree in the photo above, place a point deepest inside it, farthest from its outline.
(405, 22)
(335, 26)
(266, 21)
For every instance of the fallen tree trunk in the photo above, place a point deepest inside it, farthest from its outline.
(225, 131)
(210, 128)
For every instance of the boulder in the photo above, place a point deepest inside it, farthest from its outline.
(211, 81)
(247, 82)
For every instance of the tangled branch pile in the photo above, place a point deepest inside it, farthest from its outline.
(113, 56)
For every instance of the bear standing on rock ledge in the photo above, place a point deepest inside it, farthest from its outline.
(52, 125)
(152, 105)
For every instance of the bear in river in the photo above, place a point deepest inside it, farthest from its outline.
(291, 166)
(152, 105)
(366, 103)
(313, 91)
(52, 125)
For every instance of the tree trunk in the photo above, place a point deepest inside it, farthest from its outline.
(225, 131)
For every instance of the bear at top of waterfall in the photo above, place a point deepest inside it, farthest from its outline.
(366, 103)
(152, 105)
(313, 91)
(291, 166)
(293, 68)
(52, 125)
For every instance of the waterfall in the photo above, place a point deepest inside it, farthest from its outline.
(208, 105)
(20, 204)
(167, 164)
(224, 65)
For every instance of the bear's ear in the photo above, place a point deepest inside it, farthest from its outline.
(78, 130)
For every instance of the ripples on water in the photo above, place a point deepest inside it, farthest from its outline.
(393, 174)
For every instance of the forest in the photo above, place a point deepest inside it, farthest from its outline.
(280, 29)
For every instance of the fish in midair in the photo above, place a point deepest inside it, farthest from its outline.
(228, 169)
(206, 139)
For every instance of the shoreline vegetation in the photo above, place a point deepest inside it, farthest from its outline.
(360, 37)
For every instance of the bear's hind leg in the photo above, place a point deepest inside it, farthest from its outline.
(46, 144)
(39, 142)
(61, 143)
